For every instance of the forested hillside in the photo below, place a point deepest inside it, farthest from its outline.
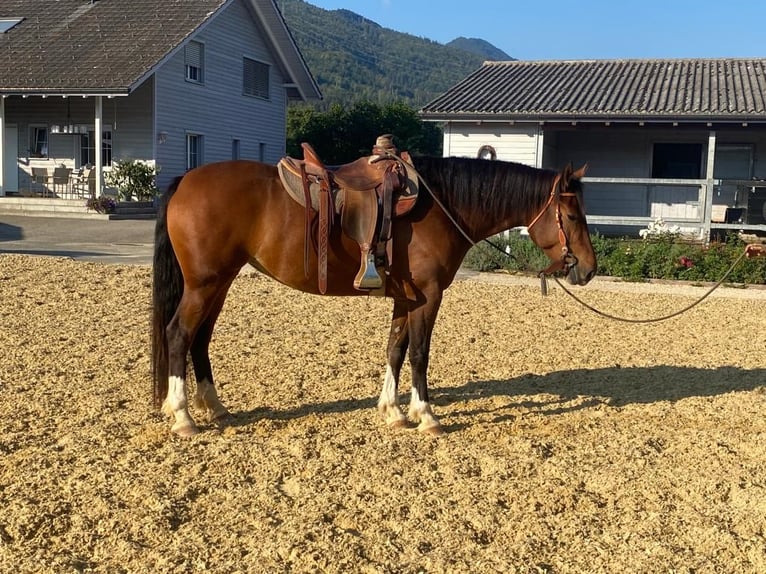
(353, 58)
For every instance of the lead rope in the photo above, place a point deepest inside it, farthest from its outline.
(544, 283)
(651, 320)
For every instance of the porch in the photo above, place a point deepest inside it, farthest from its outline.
(73, 208)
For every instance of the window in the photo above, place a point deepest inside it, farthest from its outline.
(255, 77)
(733, 161)
(193, 151)
(235, 147)
(88, 148)
(677, 161)
(38, 141)
(8, 23)
(194, 59)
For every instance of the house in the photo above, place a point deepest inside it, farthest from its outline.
(173, 83)
(683, 140)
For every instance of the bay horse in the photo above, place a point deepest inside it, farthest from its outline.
(220, 216)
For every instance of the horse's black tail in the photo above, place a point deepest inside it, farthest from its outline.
(167, 289)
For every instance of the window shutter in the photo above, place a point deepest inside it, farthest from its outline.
(255, 78)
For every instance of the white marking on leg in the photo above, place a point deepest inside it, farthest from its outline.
(388, 403)
(206, 399)
(420, 412)
(176, 405)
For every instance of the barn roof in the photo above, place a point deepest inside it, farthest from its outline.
(649, 90)
(110, 46)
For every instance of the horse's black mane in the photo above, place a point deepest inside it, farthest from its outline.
(478, 186)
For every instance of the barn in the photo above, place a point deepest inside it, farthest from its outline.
(681, 140)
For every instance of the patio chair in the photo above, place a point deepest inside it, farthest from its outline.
(85, 185)
(40, 177)
(61, 179)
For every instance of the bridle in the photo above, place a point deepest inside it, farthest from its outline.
(567, 260)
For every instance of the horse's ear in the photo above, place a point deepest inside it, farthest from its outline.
(566, 173)
(580, 173)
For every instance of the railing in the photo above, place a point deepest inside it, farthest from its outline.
(711, 205)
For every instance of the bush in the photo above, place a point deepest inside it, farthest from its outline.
(133, 179)
(657, 256)
(513, 253)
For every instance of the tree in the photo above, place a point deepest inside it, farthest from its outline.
(340, 135)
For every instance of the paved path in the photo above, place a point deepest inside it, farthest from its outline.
(82, 239)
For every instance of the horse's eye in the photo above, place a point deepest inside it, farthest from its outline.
(571, 216)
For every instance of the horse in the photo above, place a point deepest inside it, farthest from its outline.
(219, 217)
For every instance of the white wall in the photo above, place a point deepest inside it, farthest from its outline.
(516, 143)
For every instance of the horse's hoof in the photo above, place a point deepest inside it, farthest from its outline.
(184, 429)
(432, 429)
(219, 415)
(398, 424)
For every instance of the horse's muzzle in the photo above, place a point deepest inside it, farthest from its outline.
(579, 276)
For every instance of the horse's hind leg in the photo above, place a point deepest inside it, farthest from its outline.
(206, 397)
(398, 339)
(192, 310)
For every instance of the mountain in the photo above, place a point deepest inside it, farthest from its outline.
(480, 47)
(353, 58)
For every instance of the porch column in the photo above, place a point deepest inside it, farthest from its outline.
(98, 135)
(540, 147)
(707, 191)
(2, 146)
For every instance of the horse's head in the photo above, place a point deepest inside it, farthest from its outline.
(561, 231)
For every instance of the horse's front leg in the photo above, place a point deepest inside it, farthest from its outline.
(398, 339)
(422, 317)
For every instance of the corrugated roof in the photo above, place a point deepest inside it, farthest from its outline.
(107, 46)
(682, 89)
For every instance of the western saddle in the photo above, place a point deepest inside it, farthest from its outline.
(365, 195)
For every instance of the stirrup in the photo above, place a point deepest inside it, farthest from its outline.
(368, 277)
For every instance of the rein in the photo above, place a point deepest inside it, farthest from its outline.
(653, 319)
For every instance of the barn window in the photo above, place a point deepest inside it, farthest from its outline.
(677, 161)
(255, 78)
(194, 60)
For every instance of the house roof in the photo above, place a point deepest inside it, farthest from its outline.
(110, 46)
(643, 90)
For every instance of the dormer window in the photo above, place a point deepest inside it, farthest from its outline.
(8, 23)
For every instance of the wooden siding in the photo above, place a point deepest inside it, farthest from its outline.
(217, 110)
(511, 143)
(132, 123)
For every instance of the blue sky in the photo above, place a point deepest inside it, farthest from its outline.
(585, 29)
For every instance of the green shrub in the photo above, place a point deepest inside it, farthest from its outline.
(133, 179)
(658, 256)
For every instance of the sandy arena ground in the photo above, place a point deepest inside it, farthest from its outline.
(575, 443)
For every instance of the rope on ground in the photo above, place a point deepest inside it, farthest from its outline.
(654, 319)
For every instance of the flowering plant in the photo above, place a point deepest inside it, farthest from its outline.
(101, 204)
(659, 229)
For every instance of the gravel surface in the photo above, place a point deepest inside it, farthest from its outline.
(575, 444)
